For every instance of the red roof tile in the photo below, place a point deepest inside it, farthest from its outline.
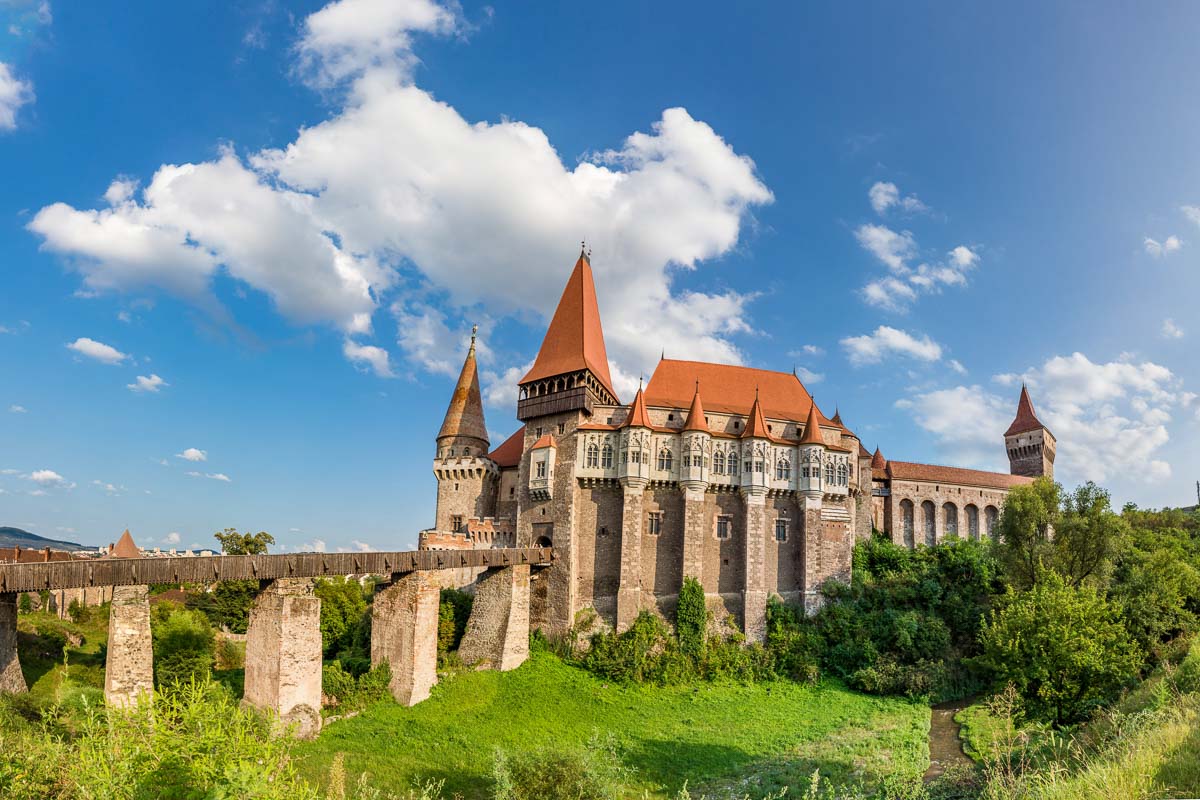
(930, 473)
(756, 428)
(546, 440)
(637, 413)
(781, 394)
(464, 416)
(877, 460)
(125, 547)
(508, 454)
(695, 417)
(575, 338)
(1026, 419)
(812, 428)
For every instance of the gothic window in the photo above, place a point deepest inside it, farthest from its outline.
(733, 463)
(606, 456)
(783, 470)
(842, 475)
(718, 463)
(781, 530)
(829, 474)
(664, 459)
(466, 451)
(593, 455)
(724, 527)
(654, 523)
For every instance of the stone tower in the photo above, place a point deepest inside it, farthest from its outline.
(466, 476)
(1030, 444)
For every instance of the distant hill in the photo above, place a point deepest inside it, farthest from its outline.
(15, 537)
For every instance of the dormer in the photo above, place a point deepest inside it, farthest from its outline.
(541, 468)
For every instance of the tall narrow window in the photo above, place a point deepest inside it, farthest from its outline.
(718, 463)
(593, 455)
(724, 527)
(829, 473)
(635, 456)
(783, 470)
(781, 526)
(842, 475)
(733, 463)
(664, 459)
(654, 523)
(606, 455)
(541, 469)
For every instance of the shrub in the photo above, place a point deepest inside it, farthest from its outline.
(453, 612)
(343, 609)
(184, 645)
(594, 772)
(78, 612)
(691, 618)
(25, 604)
(230, 654)
(355, 692)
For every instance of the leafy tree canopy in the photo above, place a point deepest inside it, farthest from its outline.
(244, 544)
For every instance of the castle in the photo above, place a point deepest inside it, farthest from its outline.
(727, 474)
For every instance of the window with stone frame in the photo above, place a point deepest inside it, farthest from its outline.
(664, 459)
(829, 473)
(718, 463)
(635, 456)
(593, 455)
(733, 463)
(783, 470)
(540, 469)
(781, 529)
(724, 527)
(654, 520)
(606, 456)
(456, 523)
(842, 475)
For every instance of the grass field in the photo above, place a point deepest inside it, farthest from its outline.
(762, 736)
(41, 638)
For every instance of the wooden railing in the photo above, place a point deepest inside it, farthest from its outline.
(77, 573)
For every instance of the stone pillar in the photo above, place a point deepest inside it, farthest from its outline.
(497, 635)
(404, 623)
(629, 592)
(754, 602)
(693, 532)
(129, 666)
(11, 679)
(283, 655)
(813, 569)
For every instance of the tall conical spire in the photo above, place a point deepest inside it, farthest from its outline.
(695, 417)
(877, 460)
(638, 417)
(464, 416)
(1026, 419)
(756, 426)
(575, 339)
(812, 427)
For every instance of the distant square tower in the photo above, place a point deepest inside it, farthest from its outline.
(1029, 443)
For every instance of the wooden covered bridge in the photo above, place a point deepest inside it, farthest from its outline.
(283, 642)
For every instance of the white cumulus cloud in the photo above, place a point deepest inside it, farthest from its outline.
(1170, 330)
(886, 342)
(97, 350)
(193, 454)
(14, 93)
(46, 477)
(315, 546)
(376, 358)
(885, 195)
(1164, 248)
(215, 476)
(147, 383)
(171, 538)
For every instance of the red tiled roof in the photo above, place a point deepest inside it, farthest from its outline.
(125, 547)
(756, 428)
(877, 460)
(695, 417)
(464, 416)
(863, 452)
(903, 470)
(812, 428)
(1026, 419)
(780, 394)
(637, 413)
(26, 555)
(508, 454)
(575, 338)
(546, 440)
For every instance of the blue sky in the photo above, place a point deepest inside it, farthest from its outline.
(242, 245)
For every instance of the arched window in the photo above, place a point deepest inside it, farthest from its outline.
(783, 470)
(593, 455)
(973, 522)
(842, 475)
(829, 473)
(950, 519)
(718, 463)
(664, 459)
(606, 455)
(929, 522)
(906, 524)
(733, 463)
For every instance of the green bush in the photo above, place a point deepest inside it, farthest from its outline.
(343, 613)
(25, 604)
(355, 692)
(453, 612)
(184, 645)
(227, 604)
(594, 772)
(691, 618)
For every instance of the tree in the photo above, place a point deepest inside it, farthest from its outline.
(342, 610)
(1030, 514)
(1061, 646)
(243, 544)
(1088, 536)
(183, 644)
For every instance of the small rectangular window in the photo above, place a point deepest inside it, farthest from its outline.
(724, 527)
(541, 469)
(654, 523)
(562, 427)
(456, 523)
(781, 530)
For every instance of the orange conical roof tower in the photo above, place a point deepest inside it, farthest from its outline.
(695, 417)
(756, 427)
(812, 428)
(638, 418)
(575, 339)
(878, 461)
(1026, 419)
(125, 548)
(464, 416)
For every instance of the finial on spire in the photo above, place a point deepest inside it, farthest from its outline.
(474, 331)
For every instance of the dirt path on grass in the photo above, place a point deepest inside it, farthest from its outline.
(945, 748)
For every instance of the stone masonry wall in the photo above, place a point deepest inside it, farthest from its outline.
(497, 635)
(129, 666)
(11, 679)
(283, 654)
(404, 621)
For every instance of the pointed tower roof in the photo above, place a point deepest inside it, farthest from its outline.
(575, 338)
(695, 417)
(125, 548)
(637, 413)
(756, 427)
(464, 416)
(1026, 419)
(837, 417)
(877, 460)
(812, 428)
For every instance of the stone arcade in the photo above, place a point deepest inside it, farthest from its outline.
(727, 474)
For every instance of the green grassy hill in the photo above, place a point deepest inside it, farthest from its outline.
(715, 735)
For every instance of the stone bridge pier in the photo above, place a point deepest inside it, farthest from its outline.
(11, 678)
(283, 654)
(404, 623)
(129, 666)
(497, 635)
